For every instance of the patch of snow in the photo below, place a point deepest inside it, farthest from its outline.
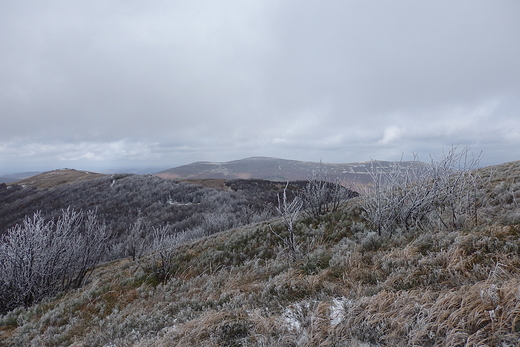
(290, 316)
(337, 310)
(296, 314)
(176, 203)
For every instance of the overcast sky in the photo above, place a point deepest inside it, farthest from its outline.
(100, 85)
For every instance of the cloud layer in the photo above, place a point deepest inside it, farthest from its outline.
(124, 83)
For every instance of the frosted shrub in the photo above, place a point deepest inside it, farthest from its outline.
(290, 211)
(442, 191)
(39, 259)
(321, 196)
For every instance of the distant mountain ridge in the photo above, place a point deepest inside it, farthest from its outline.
(8, 178)
(273, 169)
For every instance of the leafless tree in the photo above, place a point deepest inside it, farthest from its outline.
(162, 250)
(289, 211)
(320, 195)
(40, 258)
(137, 242)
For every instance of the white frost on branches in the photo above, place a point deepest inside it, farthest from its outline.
(41, 258)
(411, 195)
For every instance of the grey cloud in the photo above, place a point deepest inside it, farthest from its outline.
(345, 80)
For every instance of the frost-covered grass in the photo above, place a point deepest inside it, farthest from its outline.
(349, 286)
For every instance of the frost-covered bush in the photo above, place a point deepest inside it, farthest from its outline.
(41, 258)
(321, 196)
(414, 195)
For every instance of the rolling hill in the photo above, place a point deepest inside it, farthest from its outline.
(273, 169)
(56, 178)
(121, 199)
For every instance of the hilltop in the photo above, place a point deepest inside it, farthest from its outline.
(56, 178)
(347, 286)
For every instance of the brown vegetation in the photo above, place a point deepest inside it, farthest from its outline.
(58, 177)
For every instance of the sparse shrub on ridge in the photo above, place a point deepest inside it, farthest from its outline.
(317, 198)
(289, 211)
(442, 192)
(321, 196)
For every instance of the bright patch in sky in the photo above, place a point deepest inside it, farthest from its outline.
(390, 135)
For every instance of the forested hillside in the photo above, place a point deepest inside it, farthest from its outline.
(121, 200)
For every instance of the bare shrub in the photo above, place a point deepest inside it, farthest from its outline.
(137, 242)
(321, 196)
(152, 248)
(418, 194)
(289, 211)
(163, 248)
(39, 258)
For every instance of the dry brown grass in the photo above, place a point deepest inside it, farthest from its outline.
(482, 314)
(58, 177)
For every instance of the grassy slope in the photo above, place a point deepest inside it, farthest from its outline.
(58, 177)
(349, 287)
